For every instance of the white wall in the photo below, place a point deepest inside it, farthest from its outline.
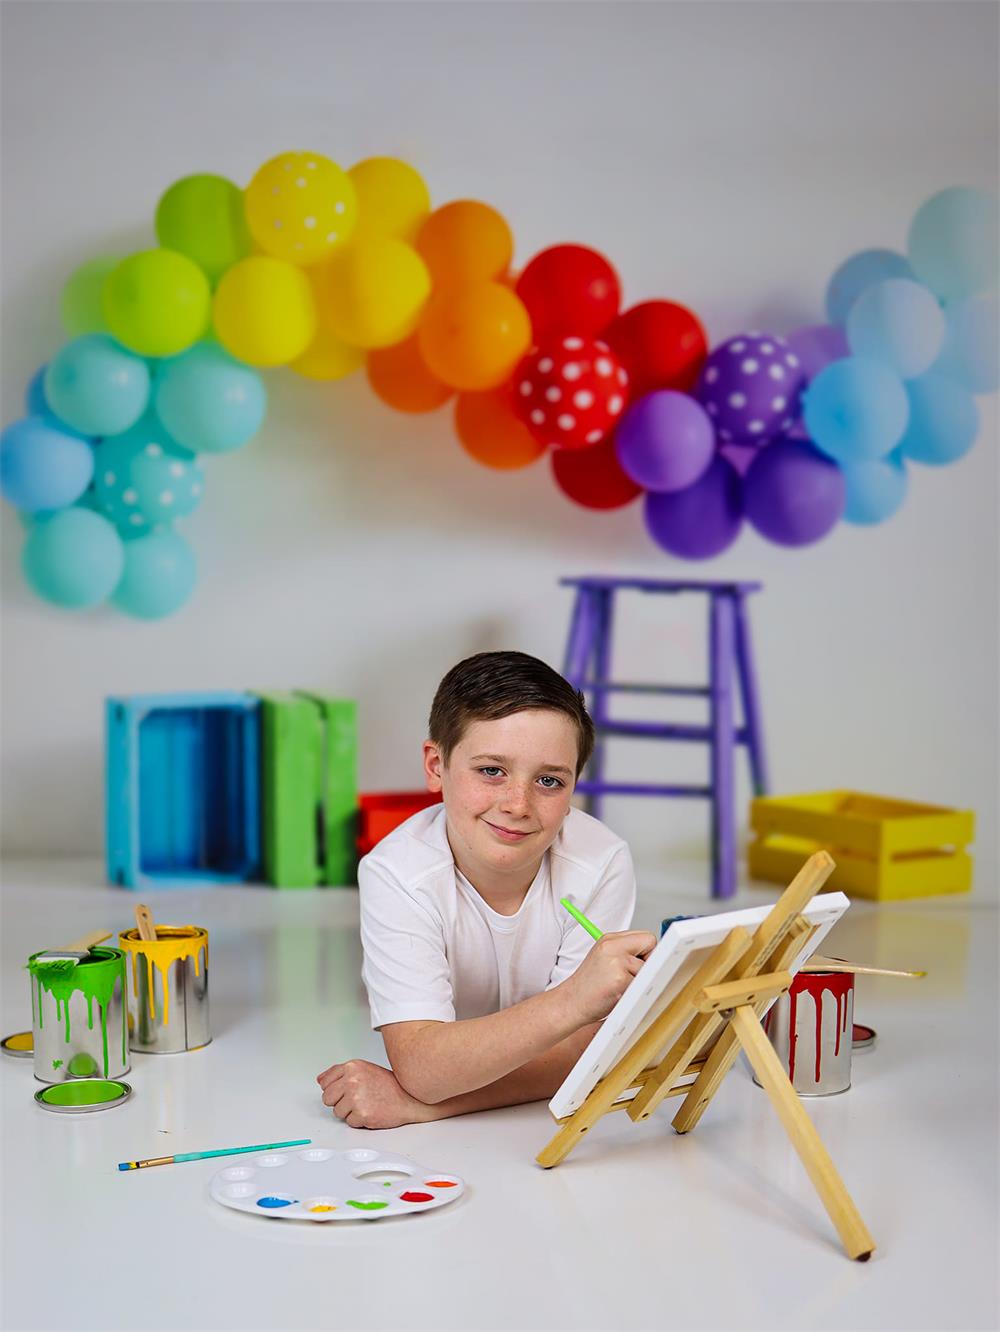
(725, 155)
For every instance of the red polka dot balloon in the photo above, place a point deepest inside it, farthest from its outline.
(570, 391)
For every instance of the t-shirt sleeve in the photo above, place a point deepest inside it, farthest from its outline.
(405, 967)
(610, 905)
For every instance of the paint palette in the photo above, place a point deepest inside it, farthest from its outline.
(318, 1184)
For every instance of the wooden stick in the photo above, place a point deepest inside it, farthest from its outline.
(817, 963)
(144, 923)
(806, 1141)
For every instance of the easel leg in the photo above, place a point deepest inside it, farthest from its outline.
(806, 1141)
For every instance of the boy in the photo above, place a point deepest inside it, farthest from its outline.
(484, 988)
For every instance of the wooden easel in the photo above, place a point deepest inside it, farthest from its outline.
(725, 999)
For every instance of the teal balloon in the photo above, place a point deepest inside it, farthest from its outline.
(953, 243)
(144, 478)
(42, 466)
(875, 490)
(94, 385)
(898, 322)
(208, 401)
(971, 351)
(74, 559)
(856, 410)
(159, 577)
(857, 274)
(944, 421)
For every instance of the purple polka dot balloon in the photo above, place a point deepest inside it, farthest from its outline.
(750, 387)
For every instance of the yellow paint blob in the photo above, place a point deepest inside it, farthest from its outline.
(22, 1041)
(173, 942)
(323, 1207)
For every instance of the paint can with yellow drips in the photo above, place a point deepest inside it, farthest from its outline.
(167, 989)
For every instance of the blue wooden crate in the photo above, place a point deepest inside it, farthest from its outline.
(183, 789)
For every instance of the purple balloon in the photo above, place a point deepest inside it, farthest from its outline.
(817, 346)
(665, 441)
(794, 494)
(702, 520)
(750, 387)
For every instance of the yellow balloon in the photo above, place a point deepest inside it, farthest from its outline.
(300, 206)
(264, 311)
(328, 357)
(392, 197)
(374, 291)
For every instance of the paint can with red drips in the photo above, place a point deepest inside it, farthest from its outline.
(810, 1027)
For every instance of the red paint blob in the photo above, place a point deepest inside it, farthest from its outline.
(416, 1197)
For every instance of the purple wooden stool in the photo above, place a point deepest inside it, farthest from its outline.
(587, 666)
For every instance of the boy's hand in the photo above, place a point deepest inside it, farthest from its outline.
(367, 1095)
(607, 971)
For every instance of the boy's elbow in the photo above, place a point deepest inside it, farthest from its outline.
(412, 1075)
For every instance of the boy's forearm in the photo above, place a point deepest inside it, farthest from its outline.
(445, 1060)
(535, 1081)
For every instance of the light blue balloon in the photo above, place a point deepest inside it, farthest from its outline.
(74, 559)
(858, 273)
(944, 421)
(953, 243)
(898, 322)
(875, 490)
(94, 385)
(43, 467)
(855, 410)
(160, 574)
(144, 478)
(971, 351)
(208, 401)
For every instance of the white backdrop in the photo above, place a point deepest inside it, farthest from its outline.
(728, 156)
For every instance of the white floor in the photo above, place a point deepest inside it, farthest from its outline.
(638, 1229)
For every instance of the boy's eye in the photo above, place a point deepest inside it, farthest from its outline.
(490, 772)
(548, 778)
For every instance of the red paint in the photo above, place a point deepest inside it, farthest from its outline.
(439, 1183)
(816, 984)
(416, 1197)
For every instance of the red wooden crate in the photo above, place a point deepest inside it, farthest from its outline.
(381, 811)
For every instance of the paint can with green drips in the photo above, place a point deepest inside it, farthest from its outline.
(78, 1018)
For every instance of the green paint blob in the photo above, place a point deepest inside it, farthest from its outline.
(57, 1063)
(97, 1092)
(82, 1066)
(95, 978)
(366, 1207)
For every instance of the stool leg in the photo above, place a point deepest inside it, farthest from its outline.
(722, 744)
(604, 617)
(750, 700)
(579, 643)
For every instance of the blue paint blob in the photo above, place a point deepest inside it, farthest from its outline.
(276, 1202)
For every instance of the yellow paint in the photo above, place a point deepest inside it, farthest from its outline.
(22, 1041)
(322, 1207)
(173, 942)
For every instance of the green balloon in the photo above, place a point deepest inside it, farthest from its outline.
(80, 305)
(203, 217)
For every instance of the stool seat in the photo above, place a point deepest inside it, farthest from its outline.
(587, 666)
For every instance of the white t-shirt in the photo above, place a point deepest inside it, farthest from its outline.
(434, 950)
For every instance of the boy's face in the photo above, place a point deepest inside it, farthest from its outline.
(507, 787)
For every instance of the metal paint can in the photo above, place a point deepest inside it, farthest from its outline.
(810, 1027)
(167, 989)
(78, 1018)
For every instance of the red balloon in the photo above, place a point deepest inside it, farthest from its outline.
(593, 477)
(569, 289)
(570, 391)
(660, 344)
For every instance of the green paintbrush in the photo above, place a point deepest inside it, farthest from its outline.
(580, 918)
(55, 961)
(200, 1156)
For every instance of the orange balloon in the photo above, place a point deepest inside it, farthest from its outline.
(472, 336)
(465, 241)
(400, 378)
(489, 431)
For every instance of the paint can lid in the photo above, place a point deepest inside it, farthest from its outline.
(20, 1045)
(862, 1037)
(81, 1095)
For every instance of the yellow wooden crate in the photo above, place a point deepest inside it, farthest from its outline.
(885, 849)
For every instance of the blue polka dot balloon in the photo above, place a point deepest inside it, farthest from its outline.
(144, 478)
(750, 387)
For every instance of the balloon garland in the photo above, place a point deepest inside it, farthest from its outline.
(329, 272)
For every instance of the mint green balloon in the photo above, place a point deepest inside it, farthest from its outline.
(202, 216)
(94, 385)
(74, 559)
(80, 304)
(159, 576)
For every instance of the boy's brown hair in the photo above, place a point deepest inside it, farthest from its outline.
(491, 685)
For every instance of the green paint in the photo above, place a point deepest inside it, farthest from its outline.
(83, 1065)
(94, 977)
(57, 1063)
(97, 1092)
(366, 1207)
